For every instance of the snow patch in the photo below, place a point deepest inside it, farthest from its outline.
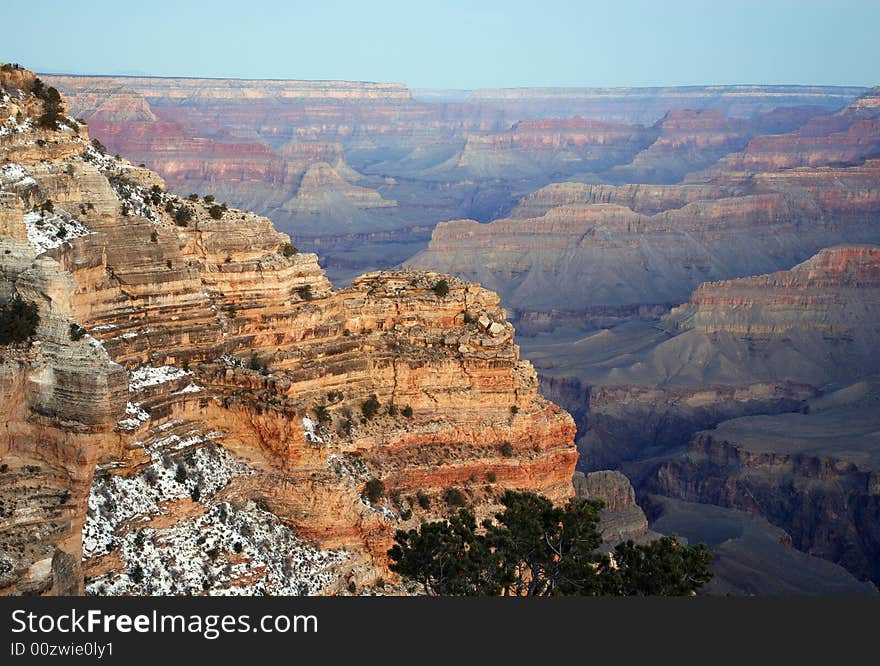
(46, 231)
(136, 416)
(191, 388)
(149, 376)
(226, 551)
(15, 176)
(309, 430)
(116, 499)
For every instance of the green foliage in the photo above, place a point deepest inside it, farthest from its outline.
(182, 216)
(507, 450)
(534, 548)
(100, 147)
(53, 107)
(660, 568)
(441, 288)
(370, 407)
(514, 410)
(491, 477)
(288, 250)
(77, 332)
(136, 574)
(305, 292)
(180, 474)
(374, 490)
(469, 318)
(423, 499)
(407, 412)
(18, 321)
(392, 409)
(208, 198)
(322, 413)
(193, 197)
(216, 212)
(255, 362)
(454, 497)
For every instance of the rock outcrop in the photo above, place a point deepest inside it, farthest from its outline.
(621, 519)
(233, 454)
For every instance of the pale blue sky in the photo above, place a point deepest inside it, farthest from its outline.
(456, 44)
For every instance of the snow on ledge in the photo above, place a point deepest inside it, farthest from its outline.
(149, 376)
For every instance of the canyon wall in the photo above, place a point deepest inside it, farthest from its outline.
(581, 248)
(238, 405)
(403, 164)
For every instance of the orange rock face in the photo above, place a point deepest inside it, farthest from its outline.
(259, 400)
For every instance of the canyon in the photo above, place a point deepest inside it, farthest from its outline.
(713, 338)
(199, 411)
(394, 162)
(692, 272)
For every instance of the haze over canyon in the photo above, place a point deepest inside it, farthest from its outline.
(693, 275)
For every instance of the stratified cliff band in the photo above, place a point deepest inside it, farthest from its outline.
(199, 411)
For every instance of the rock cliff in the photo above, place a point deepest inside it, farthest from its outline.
(439, 157)
(585, 249)
(199, 411)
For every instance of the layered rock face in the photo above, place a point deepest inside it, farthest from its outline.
(621, 519)
(689, 140)
(439, 157)
(648, 105)
(535, 148)
(750, 556)
(845, 138)
(573, 248)
(233, 454)
(757, 395)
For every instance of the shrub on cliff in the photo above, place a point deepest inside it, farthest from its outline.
(216, 212)
(454, 497)
(374, 490)
(370, 407)
(77, 332)
(53, 109)
(534, 548)
(441, 288)
(18, 321)
(288, 250)
(182, 216)
(322, 413)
